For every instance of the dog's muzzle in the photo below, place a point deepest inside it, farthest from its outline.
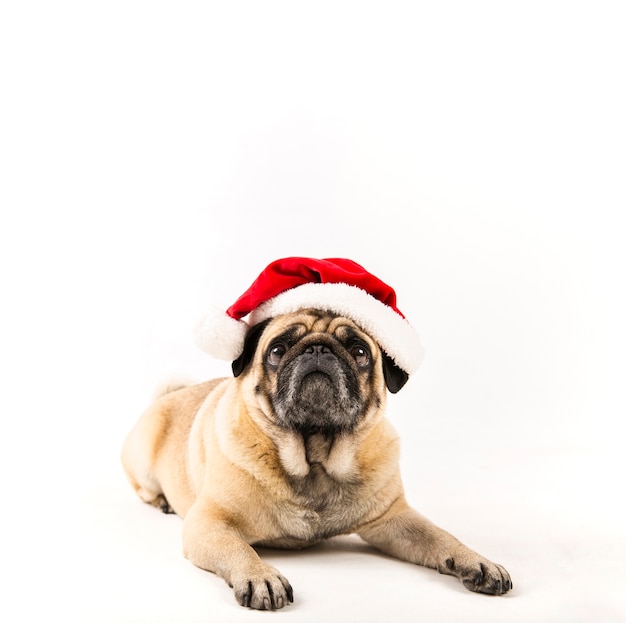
(318, 392)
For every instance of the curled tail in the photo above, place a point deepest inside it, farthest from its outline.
(173, 385)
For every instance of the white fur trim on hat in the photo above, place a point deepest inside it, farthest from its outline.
(392, 332)
(220, 335)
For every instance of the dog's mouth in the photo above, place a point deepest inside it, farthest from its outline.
(317, 392)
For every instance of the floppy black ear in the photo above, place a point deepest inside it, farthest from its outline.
(395, 377)
(249, 347)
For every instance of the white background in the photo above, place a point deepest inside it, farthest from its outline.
(156, 156)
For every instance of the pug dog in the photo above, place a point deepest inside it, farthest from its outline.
(293, 449)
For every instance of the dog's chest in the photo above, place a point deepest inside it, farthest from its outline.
(319, 508)
(322, 503)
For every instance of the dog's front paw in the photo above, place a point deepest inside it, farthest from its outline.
(266, 591)
(478, 574)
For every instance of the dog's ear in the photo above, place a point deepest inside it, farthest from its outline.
(249, 347)
(395, 377)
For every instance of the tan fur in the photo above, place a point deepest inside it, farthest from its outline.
(215, 455)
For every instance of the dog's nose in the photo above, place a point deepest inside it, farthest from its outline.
(320, 349)
(319, 356)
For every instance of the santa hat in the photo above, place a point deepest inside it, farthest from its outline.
(336, 285)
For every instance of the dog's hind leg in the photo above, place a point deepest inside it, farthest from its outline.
(154, 452)
(138, 454)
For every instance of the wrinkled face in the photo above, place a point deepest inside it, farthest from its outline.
(314, 372)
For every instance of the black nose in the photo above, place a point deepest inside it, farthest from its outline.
(319, 357)
(320, 349)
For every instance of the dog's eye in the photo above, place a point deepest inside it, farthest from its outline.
(275, 354)
(361, 355)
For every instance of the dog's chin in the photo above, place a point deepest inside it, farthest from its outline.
(315, 404)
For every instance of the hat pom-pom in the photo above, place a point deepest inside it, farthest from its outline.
(220, 335)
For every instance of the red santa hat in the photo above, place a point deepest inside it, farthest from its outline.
(336, 285)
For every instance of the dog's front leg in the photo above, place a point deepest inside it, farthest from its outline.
(212, 542)
(406, 535)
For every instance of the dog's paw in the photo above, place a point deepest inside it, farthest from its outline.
(478, 574)
(163, 505)
(269, 591)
